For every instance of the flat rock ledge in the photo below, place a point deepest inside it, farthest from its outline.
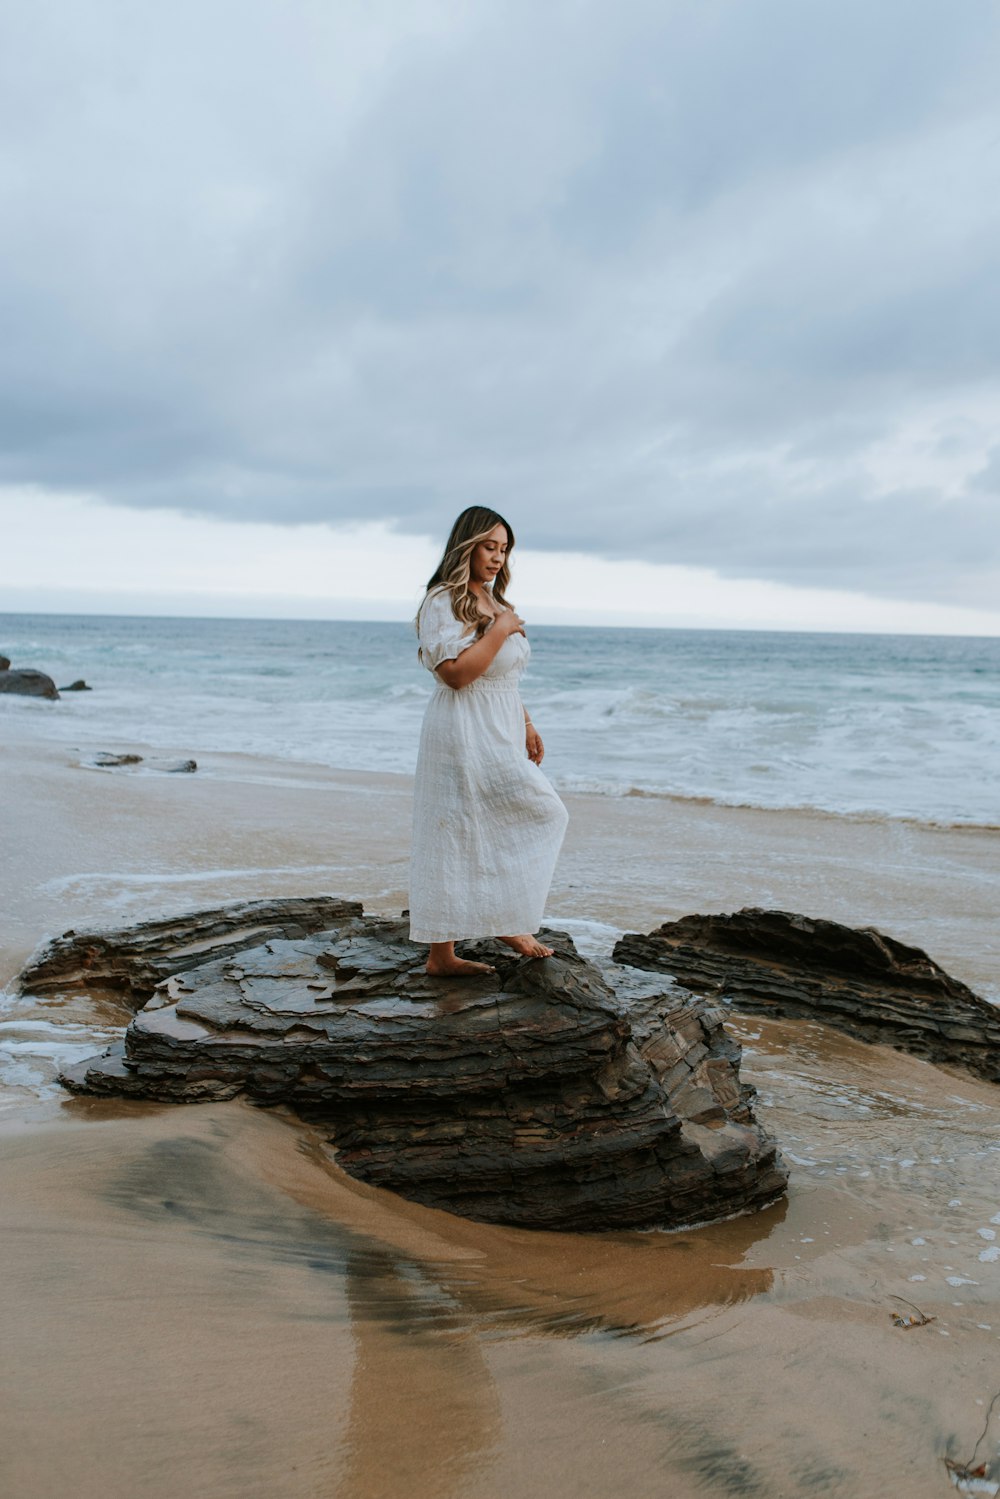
(132, 961)
(856, 979)
(560, 1094)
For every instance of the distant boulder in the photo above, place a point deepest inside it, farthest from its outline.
(27, 682)
(4, 663)
(79, 686)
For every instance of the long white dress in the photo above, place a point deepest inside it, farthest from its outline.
(487, 825)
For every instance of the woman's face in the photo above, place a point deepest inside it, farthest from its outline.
(488, 557)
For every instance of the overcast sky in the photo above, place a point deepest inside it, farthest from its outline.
(704, 296)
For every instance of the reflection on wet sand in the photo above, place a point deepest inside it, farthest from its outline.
(425, 1414)
(290, 1330)
(519, 1281)
(424, 1410)
(198, 1300)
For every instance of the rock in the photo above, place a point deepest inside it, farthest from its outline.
(133, 960)
(78, 686)
(856, 979)
(110, 760)
(560, 1095)
(28, 683)
(4, 663)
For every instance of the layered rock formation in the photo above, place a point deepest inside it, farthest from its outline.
(132, 961)
(557, 1094)
(858, 980)
(27, 682)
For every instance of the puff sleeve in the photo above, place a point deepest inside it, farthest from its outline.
(442, 636)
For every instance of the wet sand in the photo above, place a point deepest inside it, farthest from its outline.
(100, 847)
(199, 1301)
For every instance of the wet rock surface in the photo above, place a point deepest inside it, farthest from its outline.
(27, 682)
(131, 961)
(856, 979)
(560, 1094)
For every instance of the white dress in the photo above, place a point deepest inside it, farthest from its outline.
(487, 825)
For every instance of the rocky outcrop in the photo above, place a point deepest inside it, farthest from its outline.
(27, 682)
(131, 961)
(4, 663)
(558, 1094)
(856, 979)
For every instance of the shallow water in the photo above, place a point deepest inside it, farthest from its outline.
(899, 726)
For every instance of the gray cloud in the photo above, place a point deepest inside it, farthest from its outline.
(707, 284)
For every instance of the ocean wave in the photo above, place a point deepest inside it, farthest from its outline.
(869, 728)
(581, 786)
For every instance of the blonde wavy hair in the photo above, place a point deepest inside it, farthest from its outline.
(454, 570)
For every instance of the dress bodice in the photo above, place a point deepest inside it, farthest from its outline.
(510, 659)
(444, 638)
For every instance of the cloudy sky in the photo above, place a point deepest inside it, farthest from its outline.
(704, 296)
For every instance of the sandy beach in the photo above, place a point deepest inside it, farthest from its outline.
(200, 1301)
(93, 846)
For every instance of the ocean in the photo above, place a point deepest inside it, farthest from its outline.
(869, 725)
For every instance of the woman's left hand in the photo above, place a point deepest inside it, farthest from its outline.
(533, 743)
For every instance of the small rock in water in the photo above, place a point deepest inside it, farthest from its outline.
(109, 760)
(78, 686)
(27, 683)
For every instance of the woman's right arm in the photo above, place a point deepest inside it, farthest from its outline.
(477, 657)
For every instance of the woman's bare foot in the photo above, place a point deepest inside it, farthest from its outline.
(443, 963)
(528, 947)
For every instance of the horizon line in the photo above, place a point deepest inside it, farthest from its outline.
(356, 620)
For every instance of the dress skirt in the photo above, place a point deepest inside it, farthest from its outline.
(487, 825)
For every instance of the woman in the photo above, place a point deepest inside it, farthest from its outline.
(487, 826)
